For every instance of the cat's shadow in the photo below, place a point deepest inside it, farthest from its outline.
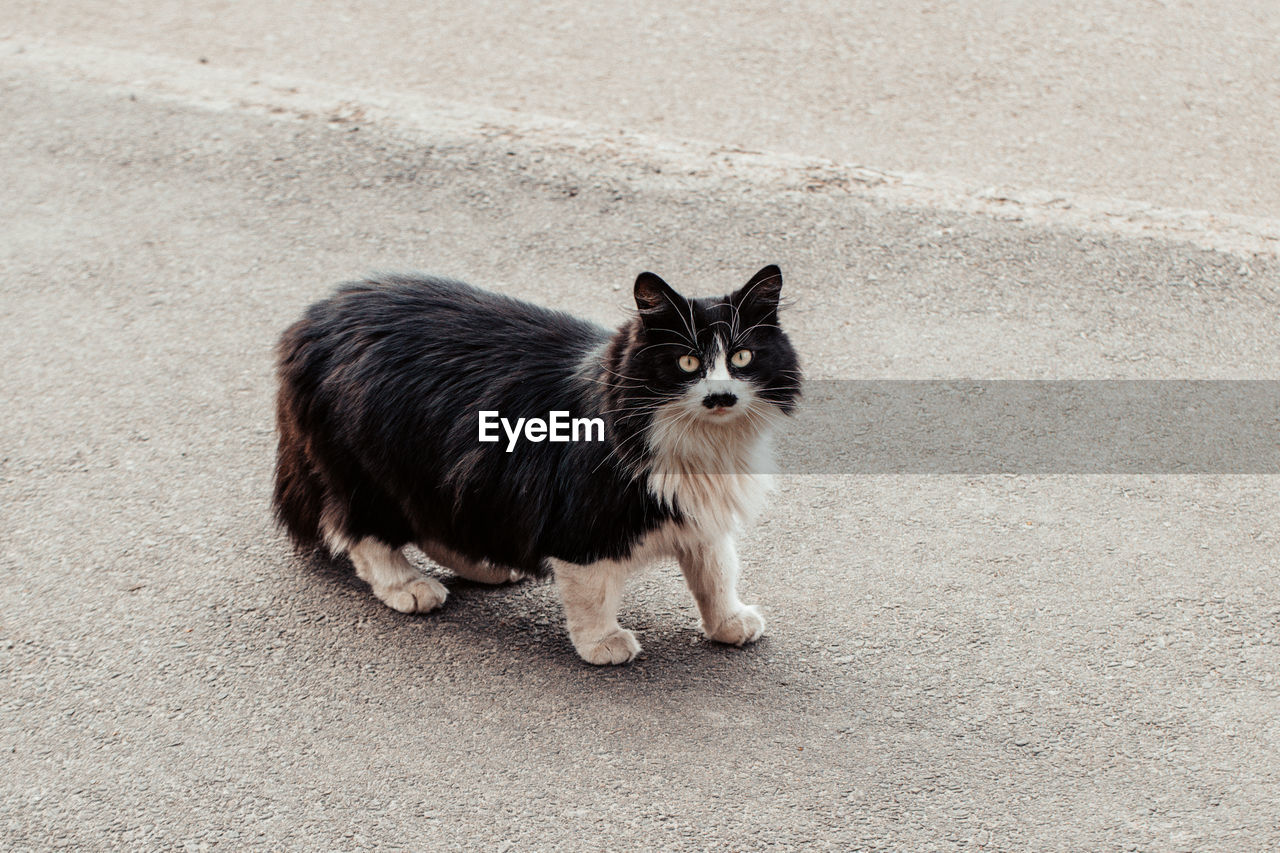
(521, 625)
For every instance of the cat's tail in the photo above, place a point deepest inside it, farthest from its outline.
(299, 490)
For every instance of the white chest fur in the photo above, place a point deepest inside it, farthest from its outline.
(716, 476)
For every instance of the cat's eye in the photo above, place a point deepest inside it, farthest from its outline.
(741, 358)
(689, 363)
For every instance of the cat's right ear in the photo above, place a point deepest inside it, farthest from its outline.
(655, 297)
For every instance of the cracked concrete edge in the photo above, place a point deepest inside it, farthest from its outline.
(642, 159)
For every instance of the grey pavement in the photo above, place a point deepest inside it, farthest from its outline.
(1166, 101)
(987, 662)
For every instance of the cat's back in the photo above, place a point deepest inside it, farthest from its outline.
(442, 316)
(440, 323)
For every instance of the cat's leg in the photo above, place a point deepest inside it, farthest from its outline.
(711, 571)
(472, 570)
(591, 595)
(394, 579)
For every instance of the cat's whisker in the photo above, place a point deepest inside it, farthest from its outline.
(760, 419)
(613, 385)
(645, 349)
(636, 387)
(734, 334)
(761, 325)
(688, 324)
(690, 420)
(620, 451)
(631, 410)
(609, 370)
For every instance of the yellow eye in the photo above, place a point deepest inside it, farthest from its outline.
(741, 358)
(689, 363)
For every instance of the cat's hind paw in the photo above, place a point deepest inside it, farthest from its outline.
(620, 646)
(744, 626)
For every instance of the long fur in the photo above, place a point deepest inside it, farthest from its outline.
(381, 385)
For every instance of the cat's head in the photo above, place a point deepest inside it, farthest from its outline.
(711, 363)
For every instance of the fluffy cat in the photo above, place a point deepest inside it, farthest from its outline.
(382, 387)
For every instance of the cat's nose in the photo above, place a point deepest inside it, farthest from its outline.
(723, 399)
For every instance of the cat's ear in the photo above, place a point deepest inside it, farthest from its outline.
(760, 295)
(654, 296)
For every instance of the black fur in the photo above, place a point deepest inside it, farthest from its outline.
(381, 385)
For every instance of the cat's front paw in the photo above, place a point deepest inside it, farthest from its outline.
(744, 626)
(620, 646)
(419, 595)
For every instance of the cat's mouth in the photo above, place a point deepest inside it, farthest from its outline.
(722, 412)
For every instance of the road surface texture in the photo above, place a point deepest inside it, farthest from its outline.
(994, 662)
(1166, 101)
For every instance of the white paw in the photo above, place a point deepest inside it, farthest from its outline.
(619, 647)
(416, 596)
(742, 627)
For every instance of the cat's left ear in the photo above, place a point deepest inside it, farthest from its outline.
(760, 295)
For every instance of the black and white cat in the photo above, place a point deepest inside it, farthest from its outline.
(382, 387)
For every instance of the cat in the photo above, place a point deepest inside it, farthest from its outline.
(385, 388)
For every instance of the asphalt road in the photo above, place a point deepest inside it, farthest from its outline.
(987, 662)
(1170, 102)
